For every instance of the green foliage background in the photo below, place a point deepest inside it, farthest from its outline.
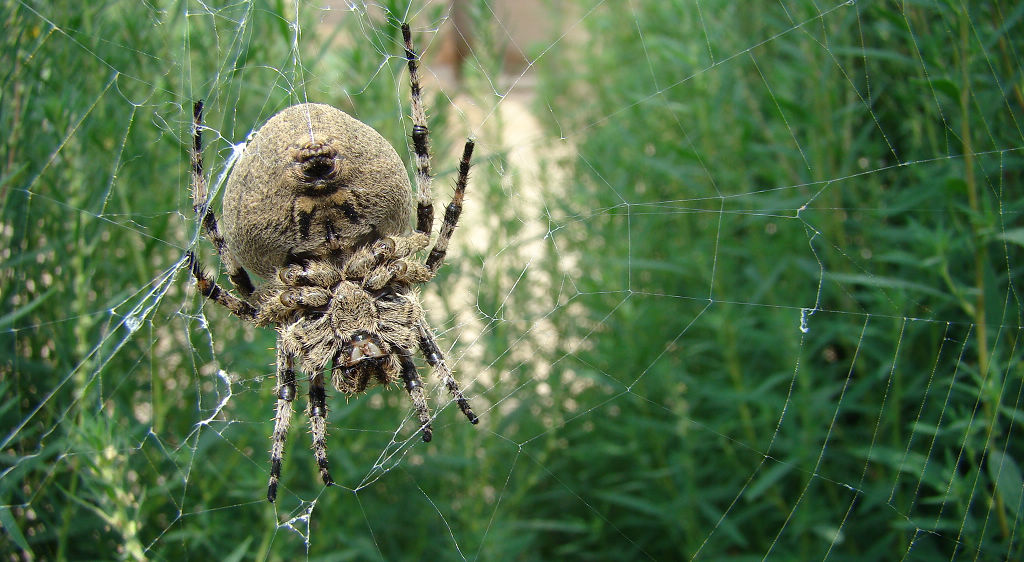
(773, 306)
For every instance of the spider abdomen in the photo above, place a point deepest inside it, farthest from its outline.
(313, 182)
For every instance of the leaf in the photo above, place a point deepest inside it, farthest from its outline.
(1016, 236)
(11, 317)
(1013, 414)
(767, 480)
(947, 87)
(240, 551)
(1005, 472)
(883, 282)
(633, 503)
(13, 531)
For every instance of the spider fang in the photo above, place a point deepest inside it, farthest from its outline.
(363, 348)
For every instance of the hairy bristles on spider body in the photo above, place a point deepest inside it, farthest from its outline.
(320, 206)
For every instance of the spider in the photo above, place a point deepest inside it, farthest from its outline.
(319, 205)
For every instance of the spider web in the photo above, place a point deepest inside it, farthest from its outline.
(734, 280)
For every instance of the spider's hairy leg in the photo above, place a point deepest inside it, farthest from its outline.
(211, 290)
(420, 140)
(200, 204)
(199, 191)
(414, 386)
(318, 424)
(452, 212)
(428, 345)
(282, 417)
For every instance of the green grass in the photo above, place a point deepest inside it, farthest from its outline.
(725, 175)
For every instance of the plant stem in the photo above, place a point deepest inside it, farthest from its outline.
(980, 254)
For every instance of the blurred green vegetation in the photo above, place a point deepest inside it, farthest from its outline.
(721, 178)
(740, 172)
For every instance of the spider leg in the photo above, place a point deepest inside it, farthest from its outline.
(452, 212)
(342, 375)
(420, 140)
(414, 386)
(428, 345)
(402, 271)
(282, 417)
(318, 424)
(211, 290)
(384, 250)
(239, 278)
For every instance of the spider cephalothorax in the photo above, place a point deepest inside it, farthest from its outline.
(319, 205)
